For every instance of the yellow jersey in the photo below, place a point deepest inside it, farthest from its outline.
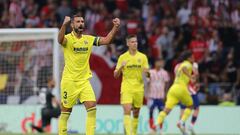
(181, 77)
(132, 73)
(77, 52)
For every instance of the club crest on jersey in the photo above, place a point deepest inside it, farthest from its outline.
(85, 42)
(139, 60)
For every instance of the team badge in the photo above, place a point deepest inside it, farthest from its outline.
(139, 60)
(85, 42)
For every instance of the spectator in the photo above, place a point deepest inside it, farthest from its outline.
(153, 47)
(63, 10)
(231, 69)
(213, 42)
(227, 100)
(32, 20)
(92, 16)
(208, 27)
(199, 47)
(15, 14)
(47, 13)
(143, 40)
(122, 5)
(101, 26)
(29, 7)
(235, 15)
(183, 14)
(164, 42)
(214, 69)
(4, 19)
(132, 22)
(203, 10)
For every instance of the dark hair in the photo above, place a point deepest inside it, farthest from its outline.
(184, 56)
(77, 14)
(131, 36)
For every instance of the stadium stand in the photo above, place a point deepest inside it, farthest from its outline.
(165, 28)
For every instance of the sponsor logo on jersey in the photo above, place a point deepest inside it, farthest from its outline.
(134, 66)
(80, 49)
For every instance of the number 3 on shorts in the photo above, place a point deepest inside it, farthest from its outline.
(65, 95)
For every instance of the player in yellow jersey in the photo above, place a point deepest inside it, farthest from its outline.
(178, 92)
(75, 83)
(132, 65)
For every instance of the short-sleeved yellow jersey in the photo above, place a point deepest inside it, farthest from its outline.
(180, 77)
(132, 73)
(76, 56)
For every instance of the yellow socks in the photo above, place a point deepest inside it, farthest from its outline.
(91, 121)
(134, 126)
(127, 124)
(62, 126)
(186, 114)
(161, 117)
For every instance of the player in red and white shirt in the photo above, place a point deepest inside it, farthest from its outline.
(193, 88)
(158, 84)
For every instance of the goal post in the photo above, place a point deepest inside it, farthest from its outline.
(23, 53)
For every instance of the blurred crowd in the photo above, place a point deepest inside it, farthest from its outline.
(165, 28)
(25, 67)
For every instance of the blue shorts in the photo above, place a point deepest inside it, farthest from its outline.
(195, 102)
(152, 103)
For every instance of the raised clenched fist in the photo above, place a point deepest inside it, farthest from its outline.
(116, 22)
(67, 20)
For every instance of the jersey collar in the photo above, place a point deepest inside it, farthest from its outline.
(72, 33)
(132, 55)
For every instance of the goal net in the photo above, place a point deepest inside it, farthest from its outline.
(28, 58)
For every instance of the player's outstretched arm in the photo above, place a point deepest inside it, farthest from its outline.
(61, 39)
(108, 39)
